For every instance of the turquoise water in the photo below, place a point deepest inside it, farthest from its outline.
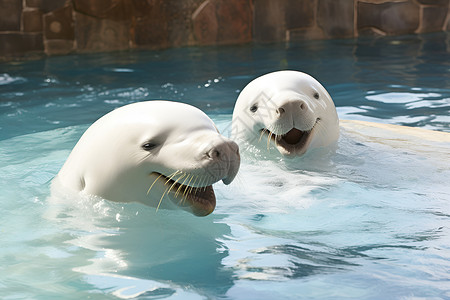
(368, 222)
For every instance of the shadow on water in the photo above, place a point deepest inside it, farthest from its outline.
(135, 250)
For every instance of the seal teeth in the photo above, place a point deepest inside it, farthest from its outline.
(188, 191)
(293, 142)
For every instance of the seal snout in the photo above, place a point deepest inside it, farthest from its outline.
(296, 106)
(223, 160)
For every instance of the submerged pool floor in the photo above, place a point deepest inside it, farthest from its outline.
(371, 221)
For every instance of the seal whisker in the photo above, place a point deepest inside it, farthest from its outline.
(182, 184)
(186, 189)
(271, 129)
(203, 183)
(174, 183)
(264, 130)
(268, 140)
(276, 129)
(187, 185)
(160, 200)
(148, 191)
(170, 177)
(192, 186)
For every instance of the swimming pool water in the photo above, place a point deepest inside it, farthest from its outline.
(368, 222)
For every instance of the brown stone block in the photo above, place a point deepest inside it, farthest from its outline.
(434, 2)
(145, 9)
(117, 10)
(234, 18)
(58, 47)
(336, 17)
(391, 18)
(150, 27)
(101, 35)
(32, 20)
(314, 33)
(59, 24)
(299, 14)
(33, 3)
(162, 23)
(433, 18)
(222, 22)
(269, 20)
(50, 5)
(152, 33)
(371, 31)
(272, 19)
(14, 44)
(10, 13)
(205, 23)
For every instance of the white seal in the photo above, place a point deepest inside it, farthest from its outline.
(287, 109)
(159, 153)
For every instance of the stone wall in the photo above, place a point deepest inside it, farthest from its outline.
(49, 27)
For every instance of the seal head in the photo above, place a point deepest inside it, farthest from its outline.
(161, 153)
(289, 110)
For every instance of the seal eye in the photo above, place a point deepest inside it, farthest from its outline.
(253, 108)
(149, 146)
(316, 95)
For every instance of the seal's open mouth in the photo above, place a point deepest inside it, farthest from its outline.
(294, 141)
(200, 200)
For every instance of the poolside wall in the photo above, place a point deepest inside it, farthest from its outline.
(50, 27)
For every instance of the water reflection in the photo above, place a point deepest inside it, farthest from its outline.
(165, 251)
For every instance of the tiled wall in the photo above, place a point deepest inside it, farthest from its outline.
(64, 26)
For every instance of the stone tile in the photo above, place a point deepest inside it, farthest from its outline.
(59, 47)
(268, 20)
(178, 15)
(433, 2)
(336, 17)
(59, 24)
(95, 35)
(433, 18)
(151, 33)
(15, 44)
(160, 21)
(150, 24)
(273, 20)
(142, 9)
(32, 20)
(381, 1)
(300, 34)
(371, 31)
(117, 10)
(33, 3)
(51, 5)
(222, 22)
(299, 14)
(205, 23)
(10, 14)
(234, 20)
(391, 18)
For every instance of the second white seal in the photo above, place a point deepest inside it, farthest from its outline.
(289, 110)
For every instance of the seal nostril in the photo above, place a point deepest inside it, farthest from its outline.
(280, 111)
(213, 154)
(302, 106)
